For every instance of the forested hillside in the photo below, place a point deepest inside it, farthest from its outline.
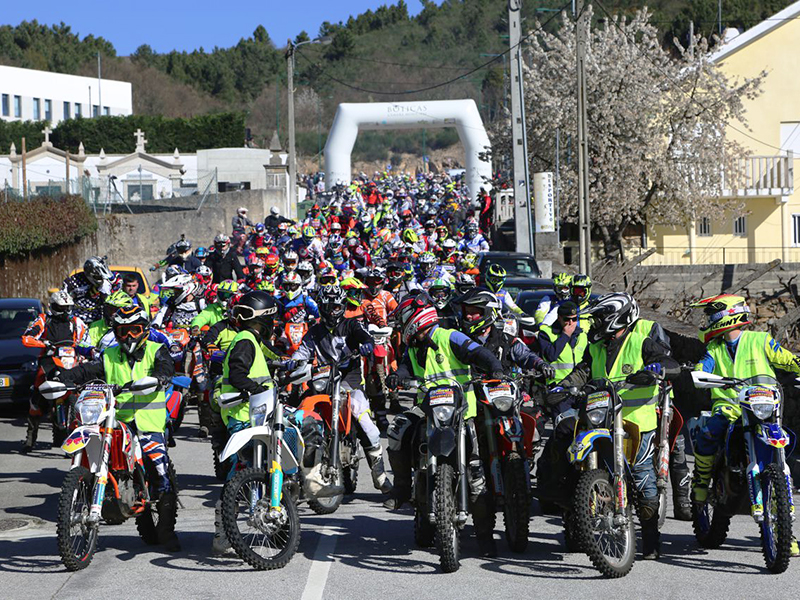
(384, 54)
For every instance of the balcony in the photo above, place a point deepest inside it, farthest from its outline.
(765, 176)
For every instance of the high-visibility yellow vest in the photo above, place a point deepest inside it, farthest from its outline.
(751, 361)
(569, 357)
(150, 411)
(259, 372)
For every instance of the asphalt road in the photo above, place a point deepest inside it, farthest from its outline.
(361, 551)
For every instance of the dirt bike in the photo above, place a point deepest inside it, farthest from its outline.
(375, 369)
(441, 503)
(341, 450)
(292, 336)
(103, 450)
(507, 441)
(604, 447)
(750, 467)
(259, 506)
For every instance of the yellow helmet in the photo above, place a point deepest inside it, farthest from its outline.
(724, 313)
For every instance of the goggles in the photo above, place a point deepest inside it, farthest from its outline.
(246, 313)
(579, 292)
(133, 331)
(291, 287)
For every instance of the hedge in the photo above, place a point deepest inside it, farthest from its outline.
(116, 134)
(41, 222)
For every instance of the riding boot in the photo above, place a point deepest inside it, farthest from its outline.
(400, 462)
(703, 465)
(32, 434)
(167, 515)
(651, 538)
(204, 415)
(482, 512)
(220, 545)
(681, 481)
(375, 461)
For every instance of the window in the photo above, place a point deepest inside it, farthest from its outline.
(66, 110)
(106, 111)
(78, 109)
(740, 227)
(137, 192)
(795, 230)
(94, 110)
(6, 105)
(48, 110)
(37, 109)
(18, 107)
(704, 227)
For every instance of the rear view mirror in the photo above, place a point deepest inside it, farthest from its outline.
(144, 386)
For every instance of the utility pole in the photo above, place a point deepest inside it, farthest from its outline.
(99, 92)
(584, 220)
(523, 225)
(24, 171)
(292, 150)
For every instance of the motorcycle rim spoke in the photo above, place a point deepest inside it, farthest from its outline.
(79, 530)
(612, 542)
(264, 543)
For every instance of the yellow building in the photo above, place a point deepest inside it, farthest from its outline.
(770, 225)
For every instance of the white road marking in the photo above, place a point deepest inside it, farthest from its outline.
(320, 567)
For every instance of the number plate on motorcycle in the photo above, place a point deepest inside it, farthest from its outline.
(597, 400)
(66, 351)
(502, 389)
(441, 396)
(5, 382)
(757, 393)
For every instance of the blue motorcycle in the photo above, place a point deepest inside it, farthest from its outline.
(750, 466)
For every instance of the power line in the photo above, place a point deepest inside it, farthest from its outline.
(411, 66)
(676, 83)
(454, 79)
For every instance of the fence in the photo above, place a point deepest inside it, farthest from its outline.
(673, 255)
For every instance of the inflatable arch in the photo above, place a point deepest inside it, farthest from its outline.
(461, 114)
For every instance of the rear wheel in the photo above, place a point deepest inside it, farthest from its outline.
(608, 539)
(326, 506)
(77, 538)
(776, 528)
(350, 472)
(446, 530)
(517, 503)
(265, 538)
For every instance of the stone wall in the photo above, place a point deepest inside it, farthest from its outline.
(137, 240)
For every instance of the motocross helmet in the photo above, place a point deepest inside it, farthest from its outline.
(179, 289)
(448, 246)
(204, 274)
(427, 264)
(182, 246)
(170, 272)
(292, 285)
(331, 300)
(354, 289)
(306, 271)
(415, 314)
(581, 289)
(131, 328)
(725, 312)
(561, 285)
(612, 313)
(62, 305)
(327, 275)
(271, 264)
(222, 243)
(256, 311)
(260, 229)
(472, 229)
(409, 236)
(375, 280)
(395, 273)
(201, 253)
(96, 271)
(114, 302)
(464, 283)
(309, 233)
(441, 292)
(479, 310)
(226, 290)
(495, 278)
(290, 260)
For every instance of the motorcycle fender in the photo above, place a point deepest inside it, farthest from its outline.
(772, 435)
(80, 438)
(442, 442)
(241, 438)
(583, 444)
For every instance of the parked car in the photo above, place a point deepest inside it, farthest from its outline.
(529, 299)
(144, 286)
(516, 264)
(18, 364)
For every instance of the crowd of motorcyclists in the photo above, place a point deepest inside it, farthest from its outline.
(399, 254)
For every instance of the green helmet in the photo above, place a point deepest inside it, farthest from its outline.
(562, 283)
(495, 278)
(441, 292)
(581, 289)
(118, 299)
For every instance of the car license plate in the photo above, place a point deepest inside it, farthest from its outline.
(5, 382)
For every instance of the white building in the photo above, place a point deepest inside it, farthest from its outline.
(30, 95)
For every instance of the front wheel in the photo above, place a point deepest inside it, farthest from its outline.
(776, 528)
(516, 508)
(265, 538)
(77, 538)
(607, 538)
(446, 530)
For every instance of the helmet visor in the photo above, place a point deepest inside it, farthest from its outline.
(472, 313)
(580, 292)
(291, 287)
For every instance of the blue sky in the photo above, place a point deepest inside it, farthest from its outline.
(169, 25)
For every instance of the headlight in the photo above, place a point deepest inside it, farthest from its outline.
(502, 403)
(319, 385)
(174, 349)
(89, 411)
(443, 414)
(596, 416)
(258, 414)
(762, 410)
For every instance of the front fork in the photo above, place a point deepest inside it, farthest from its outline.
(102, 472)
(276, 470)
(662, 464)
(620, 489)
(754, 479)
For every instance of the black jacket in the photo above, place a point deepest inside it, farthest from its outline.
(225, 267)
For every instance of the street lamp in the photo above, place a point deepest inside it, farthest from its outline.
(291, 48)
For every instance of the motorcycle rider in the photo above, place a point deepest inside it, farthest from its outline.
(132, 358)
(432, 352)
(494, 281)
(401, 281)
(580, 292)
(294, 305)
(730, 352)
(335, 339)
(215, 312)
(473, 240)
(615, 351)
(48, 332)
(240, 222)
(546, 311)
(274, 219)
(224, 261)
(99, 329)
(89, 288)
(130, 285)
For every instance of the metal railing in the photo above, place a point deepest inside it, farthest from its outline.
(680, 255)
(762, 176)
